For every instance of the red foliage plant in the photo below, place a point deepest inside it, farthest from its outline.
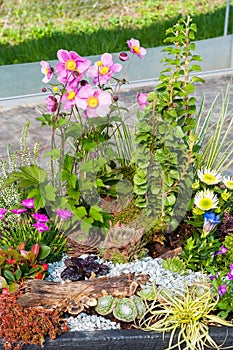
(20, 326)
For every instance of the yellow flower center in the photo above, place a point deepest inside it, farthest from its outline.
(71, 95)
(92, 102)
(70, 65)
(209, 179)
(136, 49)
(205, 203)
(104, 70)
(99, 63)
(46, 71)
(55, 88)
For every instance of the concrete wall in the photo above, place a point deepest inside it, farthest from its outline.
(25, 79)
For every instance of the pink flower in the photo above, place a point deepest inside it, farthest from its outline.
(52, 103)
(230, 274)
(64, 214)
(2, 213)
(142, 100)
(18, 211)
(71, 66)
(47, 70)
(40, 217)
(28, 203)
(222, 289)
(135, 48)
(104, 69)
(69, 98)
(95, 102)
(41, 227)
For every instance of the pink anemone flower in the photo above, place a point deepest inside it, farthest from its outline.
(71, 66)
(47, 70)
(52, 103)
(142, 100)
(69, 98)
(95, 102)
(135, 48)
(104, 69)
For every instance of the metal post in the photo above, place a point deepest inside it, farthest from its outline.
(227, 17)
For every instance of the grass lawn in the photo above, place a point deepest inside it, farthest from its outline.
(35, 30)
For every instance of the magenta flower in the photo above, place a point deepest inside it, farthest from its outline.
(64, 214)
(142, 100)
(2, 213)
(47, 70)
(223, 250)
(230, 274)
(40, 217)
(104, 69)
(222, 289)
(52, 103)
(28, 203)
(18, 211)
(41, 227)
(123, 56)
(71, 66)
(135, 48)
(95, 102)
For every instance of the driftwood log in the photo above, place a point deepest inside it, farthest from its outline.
(76, 296)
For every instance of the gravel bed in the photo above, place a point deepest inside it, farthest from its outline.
(152, 267)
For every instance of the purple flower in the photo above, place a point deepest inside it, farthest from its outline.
(210, 221)
(64, 214)
(28, 203)
(230, 274)
(40, 217)
(18, 211)
(223, 250)
(222, 289)
(212, 277)
(2, 213)
(142, 100)
(41, 227)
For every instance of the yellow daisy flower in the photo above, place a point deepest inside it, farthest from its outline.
(206, 200)
(228, 182)
(209, 177)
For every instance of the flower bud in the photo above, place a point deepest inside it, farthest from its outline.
(115, 98)
(123, 56)
(44, 89)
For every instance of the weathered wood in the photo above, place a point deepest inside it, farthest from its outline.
(75, 296)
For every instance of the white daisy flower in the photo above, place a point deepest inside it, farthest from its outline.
(228, 182)
(206, 200)
(209, 177)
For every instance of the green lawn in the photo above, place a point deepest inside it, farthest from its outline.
(35, 30)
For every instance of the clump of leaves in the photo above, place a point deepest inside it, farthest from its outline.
(123, 244)
(175, 264)
(79, 269)
(19, 265)
(186, 313)
(20, 326)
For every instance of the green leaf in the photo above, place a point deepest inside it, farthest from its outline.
(74, 131)
(44, 252)
(9, 275)
(171, 199)
(55, 153)
(49, 192)
(80, 212)
(95, 214)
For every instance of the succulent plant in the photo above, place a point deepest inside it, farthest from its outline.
(175, 264)
(78, 269)
(140, 305)
(148, 293)
(125, 310)
(105, 305)
(123, 244)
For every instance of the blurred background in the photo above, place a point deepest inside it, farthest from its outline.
(35, 30)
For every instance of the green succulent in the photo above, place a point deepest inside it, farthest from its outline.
(105, 305)
(148, 293)
(125, 310)
(175, 264)
(123, 244)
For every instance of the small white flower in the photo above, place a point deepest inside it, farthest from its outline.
(228, 182)
(206, 200)
(209, 177)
